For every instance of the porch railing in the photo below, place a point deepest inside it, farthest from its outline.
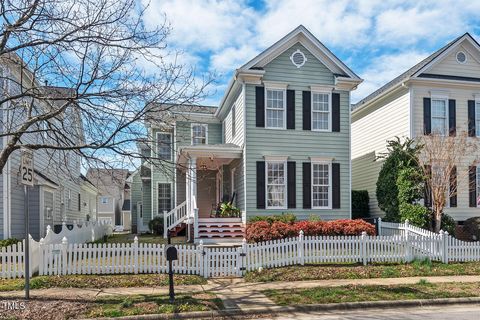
(173, 218)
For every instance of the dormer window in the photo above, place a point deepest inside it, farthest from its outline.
(199, 134)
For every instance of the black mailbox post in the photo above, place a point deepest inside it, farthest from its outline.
(171, 254)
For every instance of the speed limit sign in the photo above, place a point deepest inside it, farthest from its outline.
(26, 167)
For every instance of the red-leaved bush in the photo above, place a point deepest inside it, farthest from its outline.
(263, 231)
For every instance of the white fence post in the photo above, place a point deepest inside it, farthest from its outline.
(242, 266)
(408, 245)
(41, 256)
(364, 248)
(379, 222)
(301, 248)
(445, 239)
(201, 271)
(64, 255)
(135, 255)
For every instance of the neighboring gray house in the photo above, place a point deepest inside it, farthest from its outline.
(111, 185)
(278, 142)
(54, 198)
(88, 199)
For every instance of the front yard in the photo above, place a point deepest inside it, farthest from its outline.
(417, 268)
(100, 281)
(352, 293)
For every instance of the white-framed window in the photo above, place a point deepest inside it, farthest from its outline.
(321, 111)
(477, 118)
(439, 116)
(276, 184)
(104, 200)
(234, 120)
(164, 197)
(199, 133)
(164, 145)
(275, 108)
(321, 185)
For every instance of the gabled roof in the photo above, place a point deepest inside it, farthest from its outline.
(413, 71)
(305, 37)
(299, 35)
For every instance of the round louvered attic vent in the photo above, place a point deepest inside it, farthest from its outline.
(298, 58)
(461, 57)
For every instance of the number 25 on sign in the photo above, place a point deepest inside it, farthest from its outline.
(26, 167)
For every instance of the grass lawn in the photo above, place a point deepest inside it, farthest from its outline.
(421, 290)
(117, 306)
(354, 271)
(142, 238)
(99, 281)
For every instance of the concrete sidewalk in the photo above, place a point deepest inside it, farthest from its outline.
(236, 293)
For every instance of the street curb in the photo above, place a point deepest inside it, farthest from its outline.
(304, 308)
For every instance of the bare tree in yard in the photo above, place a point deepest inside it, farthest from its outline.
(89, 60)
(440, 156)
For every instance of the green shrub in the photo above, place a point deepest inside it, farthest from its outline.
(229, 210)
(448, 224)
(400, 155)
(416, 214)
(360, 207)
(284, 217)
(410, 184)
(8, 242)
(156, 225)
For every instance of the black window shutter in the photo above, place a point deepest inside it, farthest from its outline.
(427, 116)
(260, 106)
(307, 185)
(307, 110)
(290, 109)
(452, 118)
(471, 118)
(453, 187)
(336, 185)
(336, 112)
(260, 184)
(428, 193)
(291, 185)
(472, 186)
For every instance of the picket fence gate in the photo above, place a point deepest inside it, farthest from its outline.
(395, 243)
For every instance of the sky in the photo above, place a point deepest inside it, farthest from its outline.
(377, 39)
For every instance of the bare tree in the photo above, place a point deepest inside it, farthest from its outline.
(439, 158)
(82, 75)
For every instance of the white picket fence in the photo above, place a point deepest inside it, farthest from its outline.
(395, 243)
(12, 263)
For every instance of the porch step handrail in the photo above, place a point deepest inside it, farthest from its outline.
(173, 218)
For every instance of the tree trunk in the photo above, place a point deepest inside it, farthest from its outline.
(437, 220)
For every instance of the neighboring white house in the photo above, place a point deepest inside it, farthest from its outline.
(440, 93)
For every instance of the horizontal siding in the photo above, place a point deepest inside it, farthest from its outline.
(365, 172)
(450, 66)
(387, 120)
(297, 144)
(461, 96)
(238, 139)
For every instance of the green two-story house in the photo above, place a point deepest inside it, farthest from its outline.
(278, 142)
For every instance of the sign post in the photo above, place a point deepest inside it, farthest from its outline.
(26, 177)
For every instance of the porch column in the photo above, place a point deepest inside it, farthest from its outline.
(193, 192)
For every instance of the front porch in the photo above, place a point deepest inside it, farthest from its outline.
(205, 173)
